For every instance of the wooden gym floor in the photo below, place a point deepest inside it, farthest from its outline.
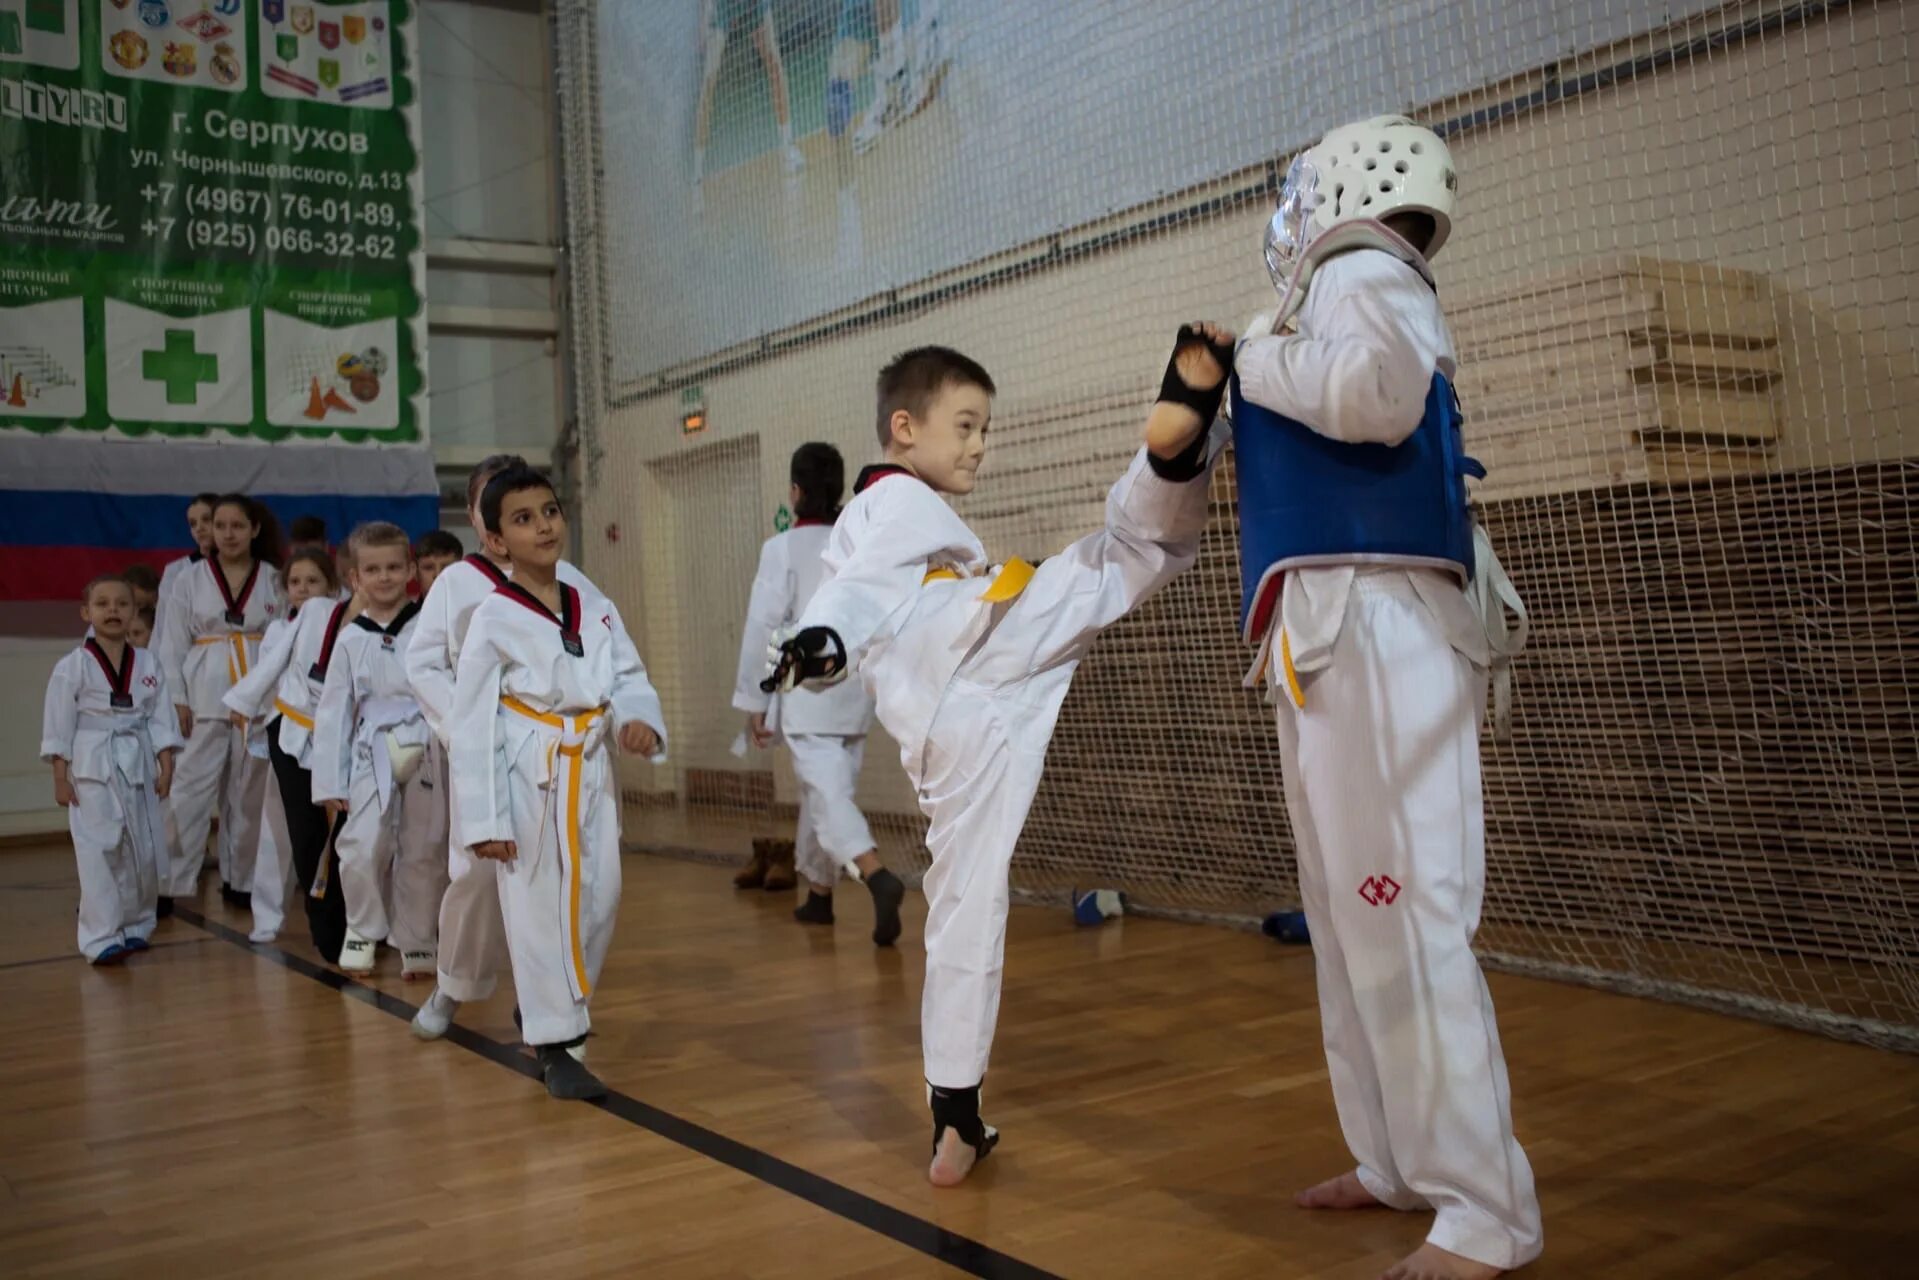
(220, 1110)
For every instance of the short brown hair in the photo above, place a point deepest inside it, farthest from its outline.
(916, 377)
(488, 468)
(321, 559)
(141, 577)
(378, 533)
(86, 592)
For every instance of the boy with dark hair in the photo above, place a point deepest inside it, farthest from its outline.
(435, 552)
(547, 675)
(825, 730)
(306, 531)
(472, 937)
(969, 681)
(145, 583)
(140, 630)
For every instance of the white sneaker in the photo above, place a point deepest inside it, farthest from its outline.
(435, 1016)
(417, 964)
(791, 158)
(356, 955)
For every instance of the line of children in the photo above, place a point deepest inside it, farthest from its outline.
(472, 934)
(825, 729)
(211, 626)
(969, 664)
(375, 761)
(278, 696)
(109, 732)
(547, 675)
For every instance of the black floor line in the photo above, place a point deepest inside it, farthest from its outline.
(929, 1238)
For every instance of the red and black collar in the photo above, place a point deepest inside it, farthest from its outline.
(392, 629)
(120, 682)
(334, 622)
(568, 620)
(487, 567)
(812, 522)
(877, 472)
(236, 605)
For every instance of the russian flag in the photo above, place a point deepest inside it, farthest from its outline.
(71, 508)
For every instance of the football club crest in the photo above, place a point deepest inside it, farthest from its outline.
(353, 27)
(329, 72)
(329, 35)
(302, 19)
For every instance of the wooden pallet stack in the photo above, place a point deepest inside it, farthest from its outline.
(1629, 369)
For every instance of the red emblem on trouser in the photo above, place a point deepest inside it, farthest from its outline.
(1379, 890)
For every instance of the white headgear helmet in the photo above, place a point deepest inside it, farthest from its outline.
(1358, 172)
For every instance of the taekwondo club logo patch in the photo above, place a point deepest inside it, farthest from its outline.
(1380, 891)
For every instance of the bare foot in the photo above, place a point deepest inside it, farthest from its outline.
(1344, 1192)
(953, 1159)
(1430, 1262)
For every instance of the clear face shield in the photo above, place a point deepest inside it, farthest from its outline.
(1286, 234)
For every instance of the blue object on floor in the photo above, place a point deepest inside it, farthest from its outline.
(139, 944)
(1286, 926)
(113, 954)
(1097, 906)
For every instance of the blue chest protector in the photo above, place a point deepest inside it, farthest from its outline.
(1307, 499)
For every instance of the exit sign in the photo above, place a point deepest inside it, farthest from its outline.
(692, 411)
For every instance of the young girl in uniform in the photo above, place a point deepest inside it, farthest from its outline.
(210, 633)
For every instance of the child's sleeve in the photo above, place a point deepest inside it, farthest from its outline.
(333, 729)
(61, 711)
(634, 697)
(171, 641)
(252, 694)
(480, 800)
(872, 570)
(766, 609)
(427, 668)
(163, 727)
(1364, 375)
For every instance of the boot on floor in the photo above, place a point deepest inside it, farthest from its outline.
(753, 874)
(780, 875)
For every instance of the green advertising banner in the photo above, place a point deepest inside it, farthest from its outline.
(212, 220)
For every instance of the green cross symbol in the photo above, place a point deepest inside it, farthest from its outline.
(180, 367)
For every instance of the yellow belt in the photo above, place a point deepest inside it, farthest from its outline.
(236, 642)
(1293, 688)
(1006, 585)
(572, 744)
(305, 722)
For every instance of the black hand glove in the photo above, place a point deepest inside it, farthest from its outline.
(812, 654)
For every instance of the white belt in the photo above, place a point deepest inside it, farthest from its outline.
(378, 716)
(129, 741)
